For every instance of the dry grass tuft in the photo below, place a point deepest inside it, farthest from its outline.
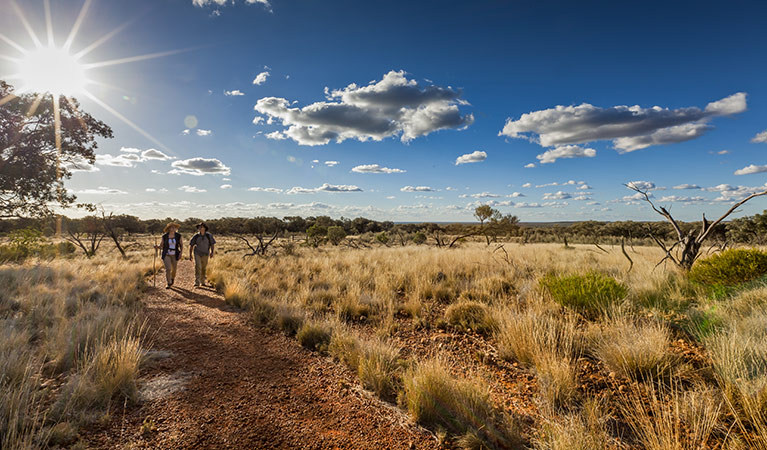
(315, 336)
(468, 315)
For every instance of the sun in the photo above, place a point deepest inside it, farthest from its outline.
(54, 70)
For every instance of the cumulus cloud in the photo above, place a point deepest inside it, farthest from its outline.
(760, 137)
(566, 151)
(261, 78)
(263, 189)
(375, 168)
(226, 186)
(191, 189)
(417, 189)
(516, 194)
(641, 185)
(473, 157)
(559, 195)
(331, 163)
(751, 169)
(199, 166)
(154, 154)
(257, 120)
(686, 186)
(324, 188)
(529, 166)
(629, 127)
(528, 205)
(394, 106)
(234, 93)
(480, 195)
(201, 132)
(79, 164)
(276, 135)
(527, 185)
(682, 199)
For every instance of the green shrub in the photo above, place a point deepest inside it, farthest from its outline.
(730, 267)
(590, 294)
(462, 408)
(470, 315)
(315, 336)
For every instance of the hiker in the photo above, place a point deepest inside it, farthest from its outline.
(201, 246)
(171, 251)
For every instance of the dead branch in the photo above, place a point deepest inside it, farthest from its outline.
(623, 249)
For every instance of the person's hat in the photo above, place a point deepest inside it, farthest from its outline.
(171, 225)
(202, 224)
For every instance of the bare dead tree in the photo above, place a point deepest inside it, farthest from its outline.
(112, 231)
(88, 235)
(263, 244)
(623, 249)
(688, 244)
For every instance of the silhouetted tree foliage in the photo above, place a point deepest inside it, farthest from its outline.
(32, 172)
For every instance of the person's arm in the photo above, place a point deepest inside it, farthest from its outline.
(191, 247)
(212, 245)
(180, 245)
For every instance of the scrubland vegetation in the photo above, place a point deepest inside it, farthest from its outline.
(549, 347)
(70, 344)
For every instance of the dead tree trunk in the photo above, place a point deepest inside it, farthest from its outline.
(688, 244)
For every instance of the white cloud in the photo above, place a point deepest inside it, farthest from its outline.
(481, 195)
(201, 132)
(191, 189)
(528, 205)
(199, 166)
(226, 186)
(559, 195)
(122, 160)
(263, 189)
(473, 157)
(161, 190)
(641, 185)
(582, 198)
(760, 137)
(79, 164)
(687, 186)
(394, 106)
(729, 193)
(234, 93)
(324, 188)
(678, 199)
(186, 132)
(155, 154)
(375, 168)
(529, 166)
(583, 187)
(331, 163)
(101, 190)
(566, 151)
(450, 188)
(751, 169)
(261, 78)
(516, 194)
(257, 120)
(417, 189)
(276, 135)
(527, 185)
(629, 127)
(216, 13)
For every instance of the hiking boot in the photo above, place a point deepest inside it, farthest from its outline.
(196, 285)
(168, 286)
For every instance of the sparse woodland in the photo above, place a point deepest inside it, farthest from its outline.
(506, 345)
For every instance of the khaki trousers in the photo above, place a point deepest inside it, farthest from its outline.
(200, 268)
(170, 262)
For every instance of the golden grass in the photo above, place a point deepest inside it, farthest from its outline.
(376, 292)
(73, 320)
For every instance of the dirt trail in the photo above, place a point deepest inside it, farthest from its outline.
(245, 387)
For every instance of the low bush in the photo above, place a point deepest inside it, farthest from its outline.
(730, 267)
(462, 408)
(590, 294)
(470, 315)
(314, 336)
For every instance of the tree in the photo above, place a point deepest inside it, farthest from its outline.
(32, 171)
(483, 213)
(689, 243)
(336, 234)
(87, 233)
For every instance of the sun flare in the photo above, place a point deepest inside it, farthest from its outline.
(54, 70)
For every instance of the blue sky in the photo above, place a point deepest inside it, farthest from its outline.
(592, 94)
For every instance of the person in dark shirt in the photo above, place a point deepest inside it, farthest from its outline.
(201, 246)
